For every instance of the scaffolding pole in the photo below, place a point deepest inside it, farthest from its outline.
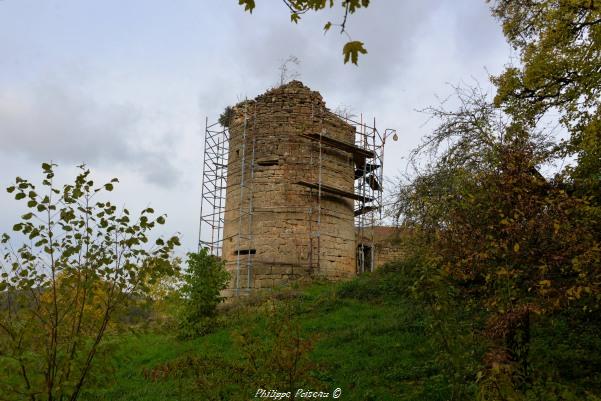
(319, 202)
(246, 189)
(249, 255)
(368, 190)
(315, 185)
(214, 175)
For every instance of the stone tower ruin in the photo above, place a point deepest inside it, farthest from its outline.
(289, 170)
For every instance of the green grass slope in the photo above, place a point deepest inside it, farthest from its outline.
(368, 337)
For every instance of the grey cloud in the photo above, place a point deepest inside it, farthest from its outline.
(157, 169)
(474, 32)
(390, 31)
(51, 122)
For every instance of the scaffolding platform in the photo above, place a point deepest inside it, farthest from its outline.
(365, 209)
(356, 151)
(334, 191)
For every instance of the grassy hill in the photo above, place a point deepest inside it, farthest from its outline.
(374, 338)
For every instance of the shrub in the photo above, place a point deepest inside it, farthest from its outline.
(204, 280)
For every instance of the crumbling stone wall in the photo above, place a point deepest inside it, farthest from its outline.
(388, 251)
(390, 244)
(272, 221)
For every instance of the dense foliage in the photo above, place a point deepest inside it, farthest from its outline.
(502, 223)
(200, 293)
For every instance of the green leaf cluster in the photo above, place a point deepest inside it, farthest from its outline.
(203, 282)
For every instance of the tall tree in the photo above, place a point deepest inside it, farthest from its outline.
(559, 43)
(493, 218)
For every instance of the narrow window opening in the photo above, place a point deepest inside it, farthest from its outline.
(245, 252)
(270, 162)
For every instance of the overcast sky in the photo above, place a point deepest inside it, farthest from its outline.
(125, 86)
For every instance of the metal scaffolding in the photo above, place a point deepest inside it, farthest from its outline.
(369, 168)
(213, 192)
(368, 156)
(214, 174)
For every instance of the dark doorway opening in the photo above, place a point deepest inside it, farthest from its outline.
(364, 259)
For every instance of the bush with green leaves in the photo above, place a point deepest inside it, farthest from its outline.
(204, 280)
(80, 260)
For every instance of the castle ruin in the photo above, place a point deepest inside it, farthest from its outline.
(291, 191)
